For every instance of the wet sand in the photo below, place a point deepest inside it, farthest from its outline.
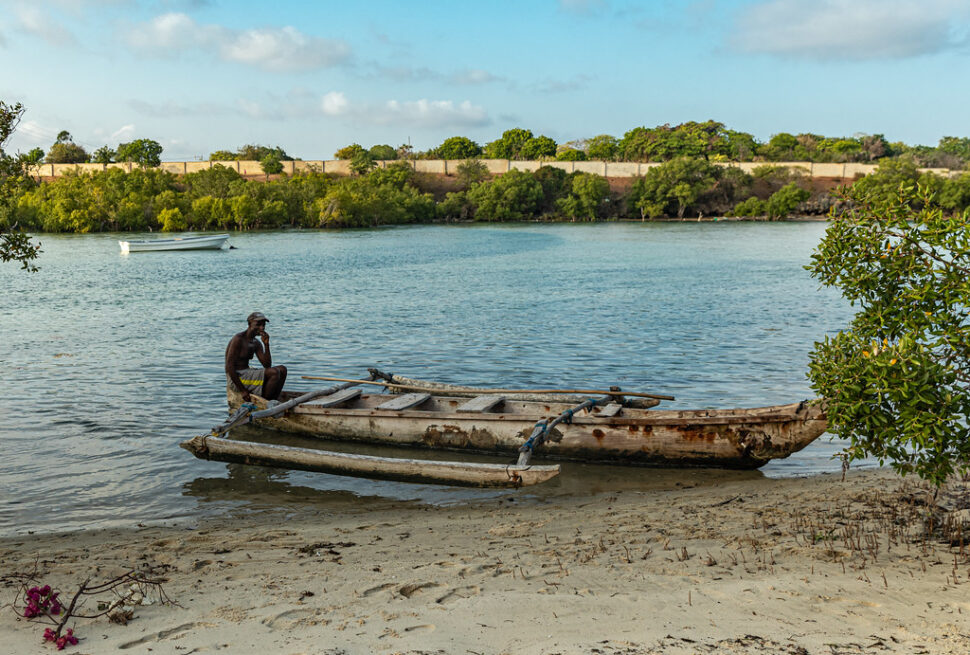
(735, 564)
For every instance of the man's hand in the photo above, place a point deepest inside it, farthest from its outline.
(246, 396)
(265, 338)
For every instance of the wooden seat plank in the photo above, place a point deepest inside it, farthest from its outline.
(405, 401)
(610, 410)
(343, 396)
(480, 404)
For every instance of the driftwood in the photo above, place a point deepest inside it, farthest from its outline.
(466, 474)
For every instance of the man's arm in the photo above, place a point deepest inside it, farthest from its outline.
(232, 356)
(263, 354)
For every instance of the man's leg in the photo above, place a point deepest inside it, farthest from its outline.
(273, 382)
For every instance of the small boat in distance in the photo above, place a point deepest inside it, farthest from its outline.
(203, 242)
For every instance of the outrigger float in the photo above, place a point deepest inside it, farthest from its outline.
(617, 427)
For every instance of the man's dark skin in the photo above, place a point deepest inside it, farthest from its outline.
(241, 349)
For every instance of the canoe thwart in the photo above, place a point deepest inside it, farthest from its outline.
(610, 410)
(480, 404)
(407, 401)
(338, 398)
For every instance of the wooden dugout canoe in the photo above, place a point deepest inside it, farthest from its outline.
(725, 438)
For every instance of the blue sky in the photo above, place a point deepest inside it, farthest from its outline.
(200, 75)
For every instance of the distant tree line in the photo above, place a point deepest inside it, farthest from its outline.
(143, 152)
(710, 140)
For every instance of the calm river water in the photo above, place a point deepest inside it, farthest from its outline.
(112, 359)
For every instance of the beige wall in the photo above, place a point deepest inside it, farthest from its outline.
(530, 166)
(846, 171)
(430, 166)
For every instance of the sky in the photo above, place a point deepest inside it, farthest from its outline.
(312, 77)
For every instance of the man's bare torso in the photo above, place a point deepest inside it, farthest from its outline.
(245, 350)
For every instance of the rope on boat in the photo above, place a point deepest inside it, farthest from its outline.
(545, 426)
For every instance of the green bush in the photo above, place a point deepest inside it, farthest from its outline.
(784, 201)
(753, 206)
(514, 196)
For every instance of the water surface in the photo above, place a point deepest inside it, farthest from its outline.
(114, 359)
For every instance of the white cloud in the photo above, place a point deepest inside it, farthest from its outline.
(850, 29)
(39, 23)
(283, 49)
(469, 76)
(31, 134)
(272, 49)
(170, 32)
(474, 76)
(334, 103)
(169, 109)
(430, 113)
(123, 132)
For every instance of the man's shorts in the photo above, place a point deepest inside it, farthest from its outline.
(252, 379)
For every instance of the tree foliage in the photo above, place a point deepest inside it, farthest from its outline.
(103, 155)
(66, 152)
(515, 196)
(383, 152)
(271, 165)
(144, 152)
(457, 147)
(570, 154)
(588, 194)
(15, 180)
(673, 187)
(539, 147)
(362, 162)
(519, 143)
(471, 171)
(897, 379)
(603, 147)
(349, 152)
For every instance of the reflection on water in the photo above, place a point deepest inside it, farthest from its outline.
(114, 360)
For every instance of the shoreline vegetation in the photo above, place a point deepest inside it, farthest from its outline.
(691, 176)
(868, 563)
(219, 198)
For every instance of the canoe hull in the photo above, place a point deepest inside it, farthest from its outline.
(206, 242)
(742, 439)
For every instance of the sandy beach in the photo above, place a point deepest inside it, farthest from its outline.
(804, 565)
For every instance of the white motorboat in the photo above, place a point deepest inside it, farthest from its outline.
(204, 242)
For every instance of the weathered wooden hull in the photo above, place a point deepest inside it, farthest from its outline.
(733, 438)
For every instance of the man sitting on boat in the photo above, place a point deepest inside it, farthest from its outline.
(267, 381)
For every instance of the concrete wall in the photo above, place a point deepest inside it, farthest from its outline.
(530, 166)
(846, 171)
(623, 169)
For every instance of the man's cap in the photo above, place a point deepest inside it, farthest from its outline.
(257, 316)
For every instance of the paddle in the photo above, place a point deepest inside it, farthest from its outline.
(612, 393)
